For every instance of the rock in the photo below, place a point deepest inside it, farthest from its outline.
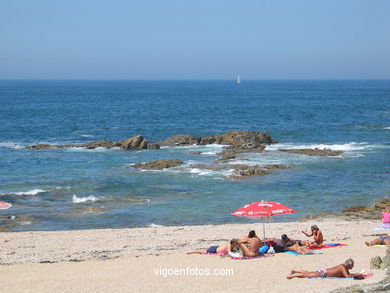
(41, 146)
(276, 166)
(159, 164)
(207, 140)
(321, 216)
(154, 146)
(101, 143)
(376, 262)
(313, 152)
(227, 155)
(243, 172)
(195, 153)
(383, 204)
(386, 260)
(238, 139)
(135, 142)
(180, 140)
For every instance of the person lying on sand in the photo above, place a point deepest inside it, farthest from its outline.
(250, 245)
(223, 249)
(341, 271)
(294, 245)
(381, 240)
(318, 237)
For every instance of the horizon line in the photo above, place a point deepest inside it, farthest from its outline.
(156, 79)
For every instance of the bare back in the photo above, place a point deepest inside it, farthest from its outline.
(318, 237)
(338, 271)
(254, 244)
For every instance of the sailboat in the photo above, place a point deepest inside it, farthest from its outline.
(238, 79)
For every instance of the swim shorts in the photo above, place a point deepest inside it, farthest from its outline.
(212, 249)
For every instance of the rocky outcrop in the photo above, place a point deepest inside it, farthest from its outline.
(159, 164)
(226, 156)
(238, 141)
(355, 213)
(313, 152)
(180, 140)
(100, 144)
(239, 171)
(41, 146)
(134, 143)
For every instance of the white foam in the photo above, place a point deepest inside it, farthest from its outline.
(388, 127)
(76, 199)
(154, 225)
(351, 146)
(11, 145)
(29, 192)
(62, 187)
(87, 135)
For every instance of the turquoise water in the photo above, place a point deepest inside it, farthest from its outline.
(77, 188)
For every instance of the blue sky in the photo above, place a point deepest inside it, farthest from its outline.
(213, 39)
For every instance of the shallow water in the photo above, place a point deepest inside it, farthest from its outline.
(77, 188)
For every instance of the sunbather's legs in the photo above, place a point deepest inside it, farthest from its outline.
(304, 274)
(376, 241)
(197, 251)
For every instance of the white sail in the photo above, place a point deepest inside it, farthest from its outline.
(238, 79)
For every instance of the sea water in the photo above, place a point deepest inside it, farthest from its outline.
(76, 188)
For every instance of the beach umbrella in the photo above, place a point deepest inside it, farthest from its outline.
(263, 210)
(5, 205)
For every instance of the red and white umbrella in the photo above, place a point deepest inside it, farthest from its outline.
(263, 210)
(5, 205)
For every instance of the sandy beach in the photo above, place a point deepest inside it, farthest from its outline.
(145, 259)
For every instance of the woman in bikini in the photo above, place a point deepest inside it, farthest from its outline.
(318, 237)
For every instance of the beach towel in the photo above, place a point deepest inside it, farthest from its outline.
(381, 228)
(366, 276)
(252, 257)
(296, 253)
(328, 245)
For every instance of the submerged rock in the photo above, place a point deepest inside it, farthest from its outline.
(313, 152)
(159, 164)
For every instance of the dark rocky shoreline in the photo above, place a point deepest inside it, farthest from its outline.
(354, 213)
(236, 142)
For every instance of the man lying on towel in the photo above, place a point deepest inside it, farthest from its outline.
(340, 271)
(223, 249)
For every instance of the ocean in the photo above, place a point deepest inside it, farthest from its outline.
(76, 188)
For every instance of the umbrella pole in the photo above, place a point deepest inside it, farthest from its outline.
(264, 228)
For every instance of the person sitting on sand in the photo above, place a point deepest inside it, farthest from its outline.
(254, 243)
(318, 237)
(223, 249)
(381, 240)
(341, 271)
(294, 245)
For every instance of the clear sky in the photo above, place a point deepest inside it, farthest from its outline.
(198, 39)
